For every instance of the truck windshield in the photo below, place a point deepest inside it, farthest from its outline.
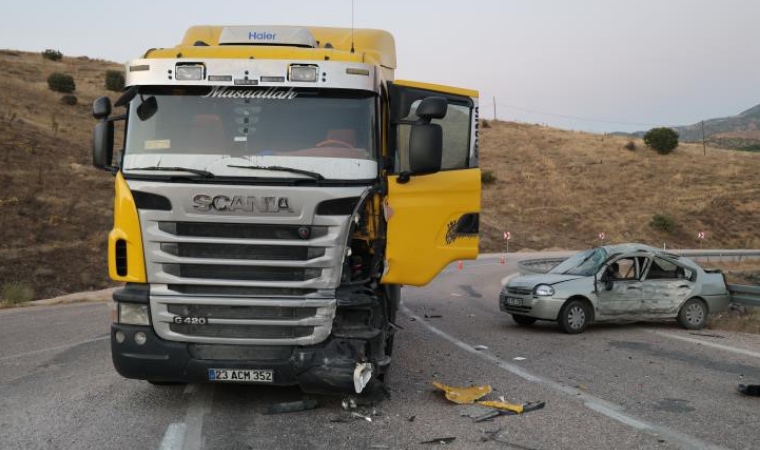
(242, 131)
(585, 263)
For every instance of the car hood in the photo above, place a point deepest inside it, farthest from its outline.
(533, 280)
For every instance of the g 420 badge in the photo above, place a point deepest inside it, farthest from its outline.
(467, 226)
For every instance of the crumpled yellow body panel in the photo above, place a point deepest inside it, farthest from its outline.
(503, 406)
(462, 395)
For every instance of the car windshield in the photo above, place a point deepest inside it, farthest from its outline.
(584, 264)
(230, 130)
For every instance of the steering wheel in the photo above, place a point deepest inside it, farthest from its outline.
(334, 142)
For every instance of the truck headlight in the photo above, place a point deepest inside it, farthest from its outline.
(133, 314)
(544, 290)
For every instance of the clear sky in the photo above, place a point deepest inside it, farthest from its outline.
(637, 63)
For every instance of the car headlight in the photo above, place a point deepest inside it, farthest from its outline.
(544, 290)
(133, 314)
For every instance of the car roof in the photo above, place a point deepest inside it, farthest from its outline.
(619, 249)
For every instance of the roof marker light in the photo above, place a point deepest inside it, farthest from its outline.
(190, 72)
(304, 74)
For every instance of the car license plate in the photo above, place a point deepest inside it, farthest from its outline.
(512, 301)
(241, 375)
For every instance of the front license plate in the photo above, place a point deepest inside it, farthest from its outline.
(241, 375)
(512, 301)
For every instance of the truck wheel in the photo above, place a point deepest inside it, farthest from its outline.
(523, 320)
(574, 317)
(693, 314)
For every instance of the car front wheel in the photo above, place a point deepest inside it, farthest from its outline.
(693, 314)
(574, 317)
(523, 320)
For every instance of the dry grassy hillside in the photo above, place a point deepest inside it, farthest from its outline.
(553, 189)
(559, 189)
(55, 209)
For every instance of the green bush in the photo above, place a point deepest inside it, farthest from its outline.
(69, 99)
(60, 82)
(663, 140)
(487, 177)
(662, 222)
(115, 80)
(15, 293)
(53, 55)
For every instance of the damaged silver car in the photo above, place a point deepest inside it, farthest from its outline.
(617, 283)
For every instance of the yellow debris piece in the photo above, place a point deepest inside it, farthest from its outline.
(462, 395)
(503, 405)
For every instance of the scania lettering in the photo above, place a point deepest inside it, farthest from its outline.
(275, 188)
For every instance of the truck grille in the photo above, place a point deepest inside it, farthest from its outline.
(261, 278)
(242, 332)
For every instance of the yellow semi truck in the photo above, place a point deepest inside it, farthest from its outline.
(275, 189)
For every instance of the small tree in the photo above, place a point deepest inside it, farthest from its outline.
(115, 80)
(663, 140)
(53, 55)
(60, 82)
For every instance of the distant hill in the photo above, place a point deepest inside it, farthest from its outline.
(741, 132)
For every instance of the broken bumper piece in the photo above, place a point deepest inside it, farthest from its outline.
(329, 367)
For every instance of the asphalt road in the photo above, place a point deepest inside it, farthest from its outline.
(613, 387)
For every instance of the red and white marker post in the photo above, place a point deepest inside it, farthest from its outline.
(701, 236)
(507, 237)
(602, 237)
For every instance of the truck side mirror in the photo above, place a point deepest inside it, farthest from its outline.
(101, 108)
(102, 145)
(432, 108)
(425, 148)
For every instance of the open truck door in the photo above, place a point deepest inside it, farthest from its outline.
(433, 202)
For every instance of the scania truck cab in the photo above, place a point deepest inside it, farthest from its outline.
(276, 188)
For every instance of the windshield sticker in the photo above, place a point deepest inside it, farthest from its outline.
(272, 93)
(158, 144)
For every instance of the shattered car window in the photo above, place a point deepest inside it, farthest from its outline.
(664, 269)
(583, 264)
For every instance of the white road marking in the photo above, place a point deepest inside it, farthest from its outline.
(174, 437)
(609, 409)
(188, 435)
(50, 349)
(739, 351)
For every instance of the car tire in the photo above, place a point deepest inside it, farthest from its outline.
(574, 317)
(693, 314)
(523, 320)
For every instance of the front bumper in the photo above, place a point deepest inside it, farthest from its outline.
(324, 368)
(539, 308)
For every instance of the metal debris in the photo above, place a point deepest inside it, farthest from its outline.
(481, 347)
(462, 395)
(288, 407)
(433, 316)
(356, 415)
(440, 441)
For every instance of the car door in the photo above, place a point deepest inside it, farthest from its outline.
(620, 295)
(667, 284)
(432, 219)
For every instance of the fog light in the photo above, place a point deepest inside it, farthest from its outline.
(133, 314)
(119, 337)
(306, 74)
(140, 338)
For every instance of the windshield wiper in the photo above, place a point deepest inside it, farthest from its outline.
(199, 172)
(314, 175)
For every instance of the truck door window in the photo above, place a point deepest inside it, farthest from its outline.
(456, 138)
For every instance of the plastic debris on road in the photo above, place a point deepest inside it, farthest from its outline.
(519, 358)
(289, 407)
(480, 348)
(440, 441)
(362, 374)
(463, 395)
(750, 389)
